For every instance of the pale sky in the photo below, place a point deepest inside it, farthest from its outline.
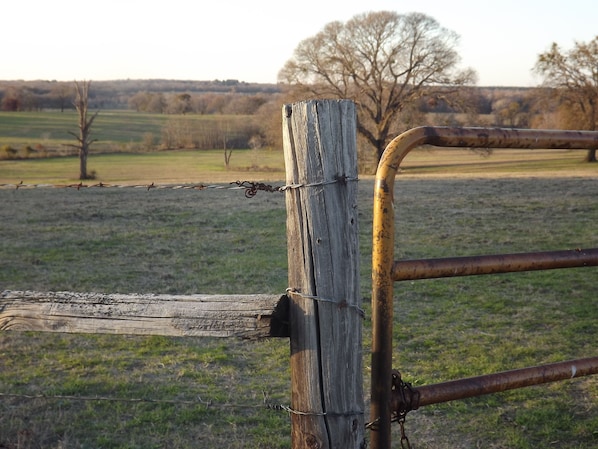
(251, 40)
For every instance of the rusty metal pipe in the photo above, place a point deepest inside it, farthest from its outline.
(383, 234)
(408, 270)
(506, 380)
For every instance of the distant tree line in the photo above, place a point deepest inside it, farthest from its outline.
(127, 94)
(199, 103)
(231, 98)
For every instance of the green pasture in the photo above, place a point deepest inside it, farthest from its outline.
(115, 130)
(156, 392)
(52, 128)
(122, 153)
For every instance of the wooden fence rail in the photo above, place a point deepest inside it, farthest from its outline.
(244, 316)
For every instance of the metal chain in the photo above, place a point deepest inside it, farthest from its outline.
(404, 440)
(405, 399)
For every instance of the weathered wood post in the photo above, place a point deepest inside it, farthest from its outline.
(327, 409)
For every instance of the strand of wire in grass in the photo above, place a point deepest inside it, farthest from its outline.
(341, 304)
(198, 400)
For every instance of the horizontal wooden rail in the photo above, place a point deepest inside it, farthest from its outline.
(244, 316)
(408, 270)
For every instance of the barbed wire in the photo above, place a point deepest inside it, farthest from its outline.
(251, 188)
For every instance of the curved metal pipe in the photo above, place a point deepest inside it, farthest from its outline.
(383, 234)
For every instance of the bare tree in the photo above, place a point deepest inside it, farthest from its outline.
(572, 77)
(384, 62)
(84, 139)
(224, 131)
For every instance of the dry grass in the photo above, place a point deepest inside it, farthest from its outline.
(267, 165)
(160, 167)
(504, 163)
(218, 241)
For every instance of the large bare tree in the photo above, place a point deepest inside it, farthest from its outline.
(572, 79)
(83, 137)
(384, 61)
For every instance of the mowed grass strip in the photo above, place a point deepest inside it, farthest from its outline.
(217, 241)
(180, 166)
(197, 166)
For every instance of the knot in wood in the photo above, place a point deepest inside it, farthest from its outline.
(312, 442)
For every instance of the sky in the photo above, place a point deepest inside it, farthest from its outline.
(250, 41)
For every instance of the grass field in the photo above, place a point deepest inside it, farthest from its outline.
(51, 128)
(207, 166)
(126, 132)
(154, 392)
(115, 131)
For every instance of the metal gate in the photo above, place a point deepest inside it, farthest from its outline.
(389, 397)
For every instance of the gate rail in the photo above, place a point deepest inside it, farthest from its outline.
(410, 270)
(385, 397)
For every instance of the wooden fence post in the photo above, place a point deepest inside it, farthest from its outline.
(327, 409)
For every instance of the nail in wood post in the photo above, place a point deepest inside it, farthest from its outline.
(319, 139)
